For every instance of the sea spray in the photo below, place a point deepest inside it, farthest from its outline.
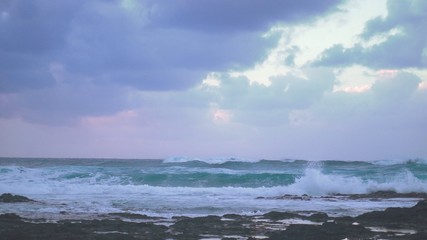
(186, 186)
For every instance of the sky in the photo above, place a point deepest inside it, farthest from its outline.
(252, 79)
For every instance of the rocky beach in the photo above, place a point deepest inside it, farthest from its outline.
(392, 223)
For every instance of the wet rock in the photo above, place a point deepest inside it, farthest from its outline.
(12, 227)
(9, 216)
(345, 219)
(229, 226)
(415, 217)
(134, 216)
(385, 194)
(10, 198)
(303, 197)
(327, 231)
(196, 226)
(232, 216)
(281, 215)
(193, 228)
(318, 217)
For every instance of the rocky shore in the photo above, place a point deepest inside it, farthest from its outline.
(392, 223)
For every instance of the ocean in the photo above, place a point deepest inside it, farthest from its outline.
(179, 186)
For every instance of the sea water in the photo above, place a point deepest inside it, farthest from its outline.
(194, 187)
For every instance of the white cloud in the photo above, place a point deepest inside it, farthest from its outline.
(211, 81)
(354, 79)
(302, 44)
(342, 27)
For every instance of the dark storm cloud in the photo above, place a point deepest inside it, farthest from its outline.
(23, 71)
(95, 37)
(405, 49)
(228, 16)
(176, 43)
(30, 34)
(158, 59)
(108, 47)
(34, 27)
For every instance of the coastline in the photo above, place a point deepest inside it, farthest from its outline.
(392, 223)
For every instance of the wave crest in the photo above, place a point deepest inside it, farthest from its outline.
(316, 183)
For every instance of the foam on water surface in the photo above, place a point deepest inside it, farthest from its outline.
(196, 187)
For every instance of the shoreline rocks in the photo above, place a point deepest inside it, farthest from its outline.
(392, 223)
(10, 198)
(374, 196)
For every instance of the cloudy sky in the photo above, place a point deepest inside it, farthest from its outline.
(207, 78)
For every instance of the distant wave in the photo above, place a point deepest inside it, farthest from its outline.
(213, 160)
(222, 160)
(206, 186)
(400, 161)
(319, 179)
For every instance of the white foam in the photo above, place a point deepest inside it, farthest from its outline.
(100, 193)
(316, 183)
(404, 182)
(313, 182)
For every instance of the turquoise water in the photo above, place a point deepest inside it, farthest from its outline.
(187, 186)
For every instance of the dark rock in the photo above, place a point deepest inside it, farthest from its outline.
(180, 217)
(133, 216)
(10, 198)
(303, 197)
(281, 215)
(415, 217)
(385, 194)
(400, 218)
(83, 230)
(420, 206)
(346, 219)
(249, 227)
(200, 225)
(318, 217)
(9, 216)
(232, 216)
(193, 228)
(327, 231)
